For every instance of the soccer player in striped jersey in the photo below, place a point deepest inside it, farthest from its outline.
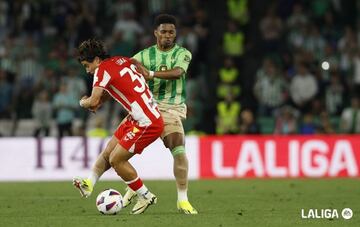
(117, 76)
(164, 65)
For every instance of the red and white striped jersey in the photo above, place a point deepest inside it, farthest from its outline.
(119, 77)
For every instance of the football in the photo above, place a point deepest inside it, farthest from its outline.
(109, 201)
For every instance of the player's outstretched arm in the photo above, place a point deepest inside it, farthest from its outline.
(140, 68)
(94, 101)
(171, 74)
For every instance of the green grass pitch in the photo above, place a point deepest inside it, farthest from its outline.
(221, 203)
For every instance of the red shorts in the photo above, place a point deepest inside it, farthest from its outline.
(135, 138)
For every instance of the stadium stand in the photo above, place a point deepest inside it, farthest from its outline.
(316, 38)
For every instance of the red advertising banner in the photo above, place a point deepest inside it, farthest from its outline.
(279, 156)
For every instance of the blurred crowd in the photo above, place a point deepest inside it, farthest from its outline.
(305, 76)
(278, 67)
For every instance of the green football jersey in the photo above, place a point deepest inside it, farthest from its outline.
(166, 91)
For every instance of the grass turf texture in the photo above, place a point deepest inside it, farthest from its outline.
(222, 203)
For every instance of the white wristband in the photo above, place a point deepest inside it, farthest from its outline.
(151, 74)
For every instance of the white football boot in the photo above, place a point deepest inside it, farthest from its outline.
(143, 202)
(129, 196)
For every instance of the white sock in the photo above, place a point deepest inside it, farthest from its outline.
(182, 195)
(93, 178)
(143, 191)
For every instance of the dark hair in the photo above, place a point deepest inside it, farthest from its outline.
(165, 19)
(91, 48)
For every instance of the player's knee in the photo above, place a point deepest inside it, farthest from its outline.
(114, 160)
(108, 149)
(178, 152)
(103, 157)
(179, 156)
(173, 140)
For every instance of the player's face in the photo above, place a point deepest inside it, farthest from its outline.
(165, 35)
(91, 66)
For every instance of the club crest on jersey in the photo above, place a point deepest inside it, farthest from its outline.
(163, 67)
(135, 130)
(187, 58)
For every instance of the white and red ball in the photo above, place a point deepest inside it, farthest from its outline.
(109, 201)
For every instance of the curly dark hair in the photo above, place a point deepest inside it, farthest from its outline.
(91, 48)
(165, 19)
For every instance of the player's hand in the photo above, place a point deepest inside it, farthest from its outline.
(145, 72)
(81, 102)
(141, 69)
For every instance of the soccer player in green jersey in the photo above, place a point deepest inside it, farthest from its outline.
(164, 65)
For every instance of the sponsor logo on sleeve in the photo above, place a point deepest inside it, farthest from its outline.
(187, 58)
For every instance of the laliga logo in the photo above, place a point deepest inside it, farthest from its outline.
(346, 213)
